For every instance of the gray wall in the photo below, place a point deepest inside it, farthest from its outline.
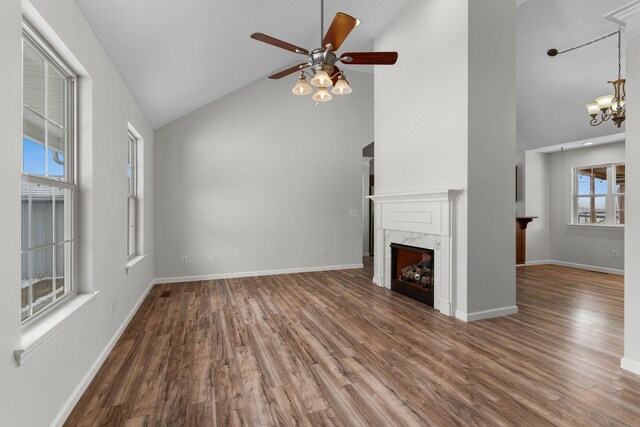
(588, 246)
(469, 149)
(263, 180)
(34, 394)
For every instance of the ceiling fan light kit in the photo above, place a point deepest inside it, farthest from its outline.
(323, 60)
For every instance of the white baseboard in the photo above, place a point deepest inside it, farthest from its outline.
(486, 314)
(366, 254)
(575, 265)
(86, 380)
(182, 279)
(630, 365)
(538, 262)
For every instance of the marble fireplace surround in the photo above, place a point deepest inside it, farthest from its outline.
(424, 219)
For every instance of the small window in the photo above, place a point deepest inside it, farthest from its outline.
(599, 194)
(48, 179)
(133, 199)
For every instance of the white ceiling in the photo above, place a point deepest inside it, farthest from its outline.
(177, 56)
(552, 92)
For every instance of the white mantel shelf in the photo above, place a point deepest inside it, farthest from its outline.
(432, 195)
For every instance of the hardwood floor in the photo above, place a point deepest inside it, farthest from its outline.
(333, 349)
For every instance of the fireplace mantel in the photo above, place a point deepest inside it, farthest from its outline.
(424, 219)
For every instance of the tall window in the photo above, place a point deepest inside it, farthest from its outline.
(132, 193)
(48, 179)
(599, 194)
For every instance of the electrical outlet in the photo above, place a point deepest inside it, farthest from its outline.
(211, 258)
(185, 259)
(615, 254)
(114, 303)
(323, 252)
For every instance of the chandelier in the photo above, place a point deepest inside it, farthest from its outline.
(607, 107)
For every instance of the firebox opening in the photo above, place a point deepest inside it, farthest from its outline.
(412, 272)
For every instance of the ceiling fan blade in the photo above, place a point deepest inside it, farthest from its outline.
(371, 58)
(339, 30)
(288, 71)
(278, 43)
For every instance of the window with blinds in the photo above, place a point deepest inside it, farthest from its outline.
(48, 178)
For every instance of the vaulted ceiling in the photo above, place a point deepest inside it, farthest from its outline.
(552, 92)
(177, 56)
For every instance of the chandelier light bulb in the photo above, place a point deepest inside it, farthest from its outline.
(342, 87)
(322, 95)
(321, 79)
(302, 87)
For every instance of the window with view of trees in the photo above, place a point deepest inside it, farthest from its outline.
(599, 194)
(48, 179)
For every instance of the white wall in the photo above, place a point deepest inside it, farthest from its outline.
(536, 195)
(464, 148)
(35, 393)
(262, 180)
(592, 247)
(631, 359)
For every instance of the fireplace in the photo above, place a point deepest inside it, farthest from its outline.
(412, 271)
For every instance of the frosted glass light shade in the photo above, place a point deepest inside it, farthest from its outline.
(322, 95)
(342, 87)
(604, 102)
(302, 87)
(321, 79)
(614, 105)
(593, 108)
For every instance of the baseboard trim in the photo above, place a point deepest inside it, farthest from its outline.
(165, 280)
(366, 254)
(86, 380)
(486, 314)
(575, 265)
(630, 365)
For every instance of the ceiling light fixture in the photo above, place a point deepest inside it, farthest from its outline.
(608, 106)
(322, 61)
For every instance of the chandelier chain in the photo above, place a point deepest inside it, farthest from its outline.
(619, 53)
(592, 42)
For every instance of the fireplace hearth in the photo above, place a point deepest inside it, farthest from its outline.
(412, 272)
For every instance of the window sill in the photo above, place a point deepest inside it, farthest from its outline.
(134, 261)
(596, 226)
(35, 336)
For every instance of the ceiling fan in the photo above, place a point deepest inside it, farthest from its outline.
(323, 60)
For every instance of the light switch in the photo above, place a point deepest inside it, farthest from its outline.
(353, 212)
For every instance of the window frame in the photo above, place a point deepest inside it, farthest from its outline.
(68, 182)
(610, 195)
(133, 196)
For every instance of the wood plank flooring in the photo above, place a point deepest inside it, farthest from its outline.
(332, 349)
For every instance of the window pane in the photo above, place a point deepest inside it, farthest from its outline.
(42, 288)
(584, 182)
(41, 215)
(55, 151)
(132, 241)
(33, 79)
(57, 85)
(600, 178)
(24, 287)
(62, 200)
(132, 212)
(619, 200)
(25, 214)
(620, 178)
(591, 210)
(60, 270)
